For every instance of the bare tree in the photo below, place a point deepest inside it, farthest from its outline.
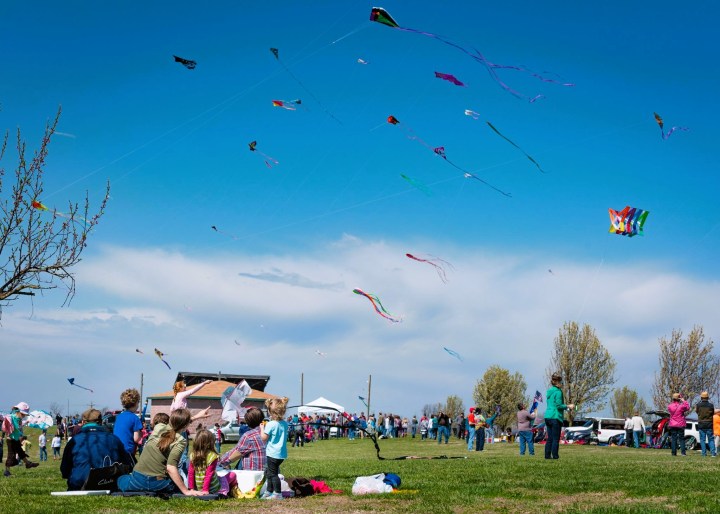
(626, 402)
(453, 406)
(499, 387)
(687, 366)
(432, 408)
(55, 409)
(38, 245)
(587, 367)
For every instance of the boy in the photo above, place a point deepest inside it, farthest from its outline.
(127, 424)
(250, 447)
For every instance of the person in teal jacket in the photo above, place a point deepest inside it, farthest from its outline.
(554, 415)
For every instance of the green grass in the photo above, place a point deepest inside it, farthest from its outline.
(585, 479)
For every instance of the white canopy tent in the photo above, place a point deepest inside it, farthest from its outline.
(320, 406)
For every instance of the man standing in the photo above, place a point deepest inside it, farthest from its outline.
(705, 411)
(443, 429)
(639, 428)
(524, 433)
(460, 422)
(628, 431)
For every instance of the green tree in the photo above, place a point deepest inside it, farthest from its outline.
(39, 245)
(687, 366)
(587, 368)
(453, 406)
(499, 387)
(626, 402)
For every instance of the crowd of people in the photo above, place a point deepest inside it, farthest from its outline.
(158, 459)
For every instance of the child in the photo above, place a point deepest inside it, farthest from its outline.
(127, 424)
(42, 444)
(56, 443)
(250, 447)
(12, 426)
(202, 475)
(218, 439)
(25, 444)
(275, 435)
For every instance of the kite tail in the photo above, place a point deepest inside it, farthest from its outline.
(516, 146)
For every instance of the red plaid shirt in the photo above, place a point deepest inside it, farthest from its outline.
(252, 450)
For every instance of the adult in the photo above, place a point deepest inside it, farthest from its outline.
(678, 409)
(157, 467)
(628, 431)
(128, 427)
(638, 426)
(12, 426)
(480, 425)
(705, 411)
(443, 427)
(42, 445)
(413, 426)
(471, 428)
(92, 447)
(716, 428)
(554, 415)
(460, 424)
(524, 429)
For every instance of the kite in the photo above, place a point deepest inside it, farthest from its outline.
(453, 353)
(276, 53)
(417, 185)
(537, 399)
(380, 15)
(379, 308)
(362, 61)
(39, 419)
(238, 342)
(440, 150)
(439, 265)
(267, 158)
(285, 104)
(474, 115)
(72, 383)
(160, 356)
(232, 399)
(223, 232)
(321, 354)
(449, 78)
(551, 272)
(660, 123)
(190, 65)
(36, 204)
(628, 222)
(516, 146)
(139, 351)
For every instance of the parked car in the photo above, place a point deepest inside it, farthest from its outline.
(604, 428)
(661, 436)
(232, 430)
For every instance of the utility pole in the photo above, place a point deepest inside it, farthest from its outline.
(302, 388)
(141, 391)
(368, 399)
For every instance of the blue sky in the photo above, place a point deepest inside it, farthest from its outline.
(334, 213)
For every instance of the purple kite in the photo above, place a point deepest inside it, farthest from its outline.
(440, 150)
(660, 123)
(449, 78)
(72, 383)
(377, 305)
(380, 15)
(437, 263)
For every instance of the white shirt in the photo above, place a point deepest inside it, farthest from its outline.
(638, 424)
(628, 424)
(42, 441)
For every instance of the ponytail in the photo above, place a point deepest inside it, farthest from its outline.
(179, 420)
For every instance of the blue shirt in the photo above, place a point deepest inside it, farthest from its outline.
(126, 424)
(276, 445)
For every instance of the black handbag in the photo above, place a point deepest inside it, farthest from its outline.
(105, 478)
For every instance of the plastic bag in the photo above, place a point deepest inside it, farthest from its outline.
(371, 485)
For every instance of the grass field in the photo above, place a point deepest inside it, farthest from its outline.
(584, 479)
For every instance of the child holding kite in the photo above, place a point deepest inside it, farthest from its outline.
(274, 434)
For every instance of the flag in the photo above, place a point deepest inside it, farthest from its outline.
(536, 399)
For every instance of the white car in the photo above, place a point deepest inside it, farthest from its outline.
(230, 432)
(604, 428)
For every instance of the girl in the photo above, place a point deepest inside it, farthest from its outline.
(274, 434)
(56, 443)
(202, 474)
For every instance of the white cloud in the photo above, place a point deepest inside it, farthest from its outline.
(496, 309)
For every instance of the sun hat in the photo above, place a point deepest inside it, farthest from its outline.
(23, 407)
(676, 396)
(704, 395)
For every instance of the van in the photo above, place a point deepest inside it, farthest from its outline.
(604, 428)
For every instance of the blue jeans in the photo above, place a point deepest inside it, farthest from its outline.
(138, 482)
(218, 447)
(637, 434)
(479, 439)
(413, 431)
(526, 437)
(552, 446)
(443, 431)
(43, 453)
(471, 437)
(707, 434)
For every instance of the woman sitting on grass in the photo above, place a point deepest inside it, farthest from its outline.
(157, 468)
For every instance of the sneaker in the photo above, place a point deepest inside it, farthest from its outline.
(31, 465)
(6, 473)
(274, 496)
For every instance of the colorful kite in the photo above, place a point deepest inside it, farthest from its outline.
(36, 204)
(474, 115)
(377, 304)
(417, 185)
(190, 65)
(266, 158)
(516, 146)
(380, 15)
(440, 150)
(437, 263)
(276, 53)
(537, 399)
(628, 222)
(454, 354)
(449, 78)
(660, 123)
(285, 104)
(160, 356)
(72, 383)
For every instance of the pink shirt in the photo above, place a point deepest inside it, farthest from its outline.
(677, 412)
(180, 400)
